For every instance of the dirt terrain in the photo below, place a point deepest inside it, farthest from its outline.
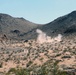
(15, 54)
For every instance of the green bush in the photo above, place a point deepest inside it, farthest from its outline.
(19, 71)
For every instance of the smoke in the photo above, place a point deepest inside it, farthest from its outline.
(43, 38)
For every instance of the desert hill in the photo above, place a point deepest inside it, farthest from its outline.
(65, 25)
(15, 27)
(22, 29)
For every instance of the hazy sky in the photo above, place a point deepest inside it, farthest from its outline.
(37, 11)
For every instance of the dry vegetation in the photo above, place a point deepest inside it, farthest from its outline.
(38, 59)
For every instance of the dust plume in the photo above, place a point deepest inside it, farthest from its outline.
(43, 38)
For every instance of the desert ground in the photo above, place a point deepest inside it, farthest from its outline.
(28, 53)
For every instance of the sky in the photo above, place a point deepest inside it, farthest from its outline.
(37, 11)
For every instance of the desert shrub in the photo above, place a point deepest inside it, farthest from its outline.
(67, 56)
(29, 63)
(18, 71)
(1, 65)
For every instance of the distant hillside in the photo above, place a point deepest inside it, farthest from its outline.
(15, 27)
(65, 25)
(19, 28)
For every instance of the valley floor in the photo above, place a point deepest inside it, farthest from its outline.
(27, 54)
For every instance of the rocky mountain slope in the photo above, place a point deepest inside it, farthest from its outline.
(65, 25)
(19, 28)
(15, 27)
